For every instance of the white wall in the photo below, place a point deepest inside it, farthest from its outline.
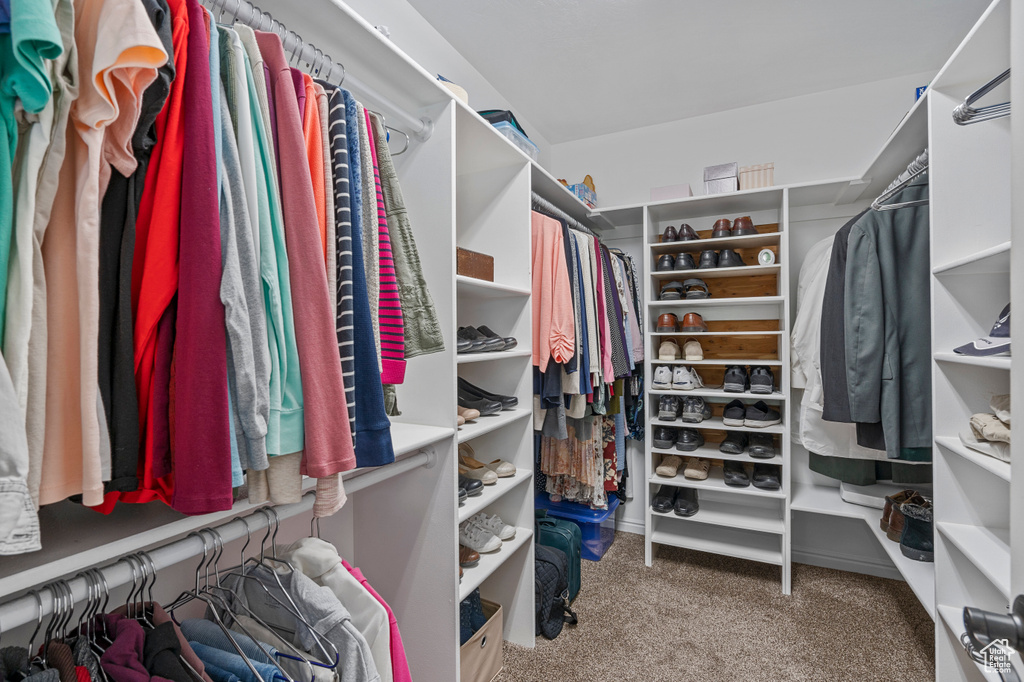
(826, 135)
(416, 37)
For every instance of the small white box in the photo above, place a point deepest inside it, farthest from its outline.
(671, 192)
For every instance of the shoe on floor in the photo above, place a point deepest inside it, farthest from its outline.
(664, 437)
(686, 502)
(735, 474)
(762, 446)
(761, 381)
(663, 377)
(767, 476)
(917, 540)
(689, 440)
(684, 261)
(734, 444)
(477, 538)
(667, 323)
(692, 322)
(482, 474)
(708, 260)
(759, 415)
(692, 352)
(673, 291)
(668, 350)
(727, 258)
(741, 227)
(670, 234)
(697, 469)
(696, 288)
(737, 380)
(664, 500)
(735, 413)
(695, 410)
(669, 408)
(473, 486)
(669, 466)
(722, 228)
(666, 263)
(686, 233)
(509, 341)
(468, 558)
(494, 524)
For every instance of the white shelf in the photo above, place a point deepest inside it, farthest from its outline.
(712, 273)
(994, 362)
(987, 548)
(990, 464)
(717, 424)
(719, 302)
(490, 562)
(703, 363)
(482, 425)
(469, 358)
(760, 547)
(717, 392)
(953, 617)
(995, 259)
(905, 143)
(712, 452)
(742, 333)
(620, 216)
(715, 482)
(493, 493)
(730, 515)
(479, 288)
(919, 575)
(738, 202)
(749, 241)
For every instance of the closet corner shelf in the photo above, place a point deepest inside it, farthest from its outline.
(479, 288)
(712, 273)
(715, 482)
(994, 362)
(953, 617)
(716, 424)
(470, 358)
(717, 392)
(720, 302)
(990, 464)
(482, 425)
(473, 577)
(760, 547)
(750, 241)
(995, 259)
(819, 499)
(987, 548)
(493, 493)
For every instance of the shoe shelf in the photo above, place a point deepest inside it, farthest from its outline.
(994, 362)
(493, 493)
(994, 259)
(469, 358)
(750, 241)
(953, 618)
(721, 362)
(490, 562)
(715, 482)
(717, 424)
(818, 499)
(990, 464)
(987, 548)
(479, 288)
(715, 513)
(719, 302)
(739, 333)
(711, 273)
(761, 547)
(712, 452)
(482, 425)
(717, 392)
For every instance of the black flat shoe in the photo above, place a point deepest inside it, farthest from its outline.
(463, 346)
(509, 341)
(484, 407)
(472, 486)
(507, 402)
(463, 494)
(468, 342)
(735, 475)
(488, 343)
(686, 502)
(767, 476)
(734, 444)
(664, 499)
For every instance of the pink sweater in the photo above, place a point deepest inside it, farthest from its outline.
(554, 327)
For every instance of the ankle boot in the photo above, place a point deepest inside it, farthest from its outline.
(895, 531)
(892, 501)
(917, 541)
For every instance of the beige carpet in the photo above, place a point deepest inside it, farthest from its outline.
(705, 618)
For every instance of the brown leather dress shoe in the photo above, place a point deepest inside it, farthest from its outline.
(468, 557)
(692, 322)
(897, 520)
(670, 234)
(668, 323)
(686, 233)
(743, 226)
(721, 229)
(890, 502)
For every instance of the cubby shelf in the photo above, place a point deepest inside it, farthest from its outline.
(711, 451)
(493, 493)
(712, 273)
(715, 482)
(480, 288)
(490, 562)
(990, 464)
(992, 361)
(750, 241)
(485, 425)
(769, 332)
(717, 424)
(716, 513)
(987, 548)
(719, 302)
(953, 618)
(470, 358)
(761, 547)
(995, 259)
(712, 362)
(717, 392)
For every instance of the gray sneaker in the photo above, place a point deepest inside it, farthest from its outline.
(695, 410)
(760, 415)
(762, 381)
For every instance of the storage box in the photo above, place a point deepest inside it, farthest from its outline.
(585, 191)
(518, 139)
(761, 175)
(472, 264)
(596, 538)
(721, 178)
(480, 657)
(671, 192)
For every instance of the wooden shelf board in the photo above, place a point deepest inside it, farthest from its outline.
(490, 562)
(493, 493)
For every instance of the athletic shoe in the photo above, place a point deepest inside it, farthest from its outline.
(762, 381)
(735, 413)
(760, 415)
(737, 380)
(663, 377)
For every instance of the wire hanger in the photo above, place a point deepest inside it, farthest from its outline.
(917, 168)
(547, 207)
(965, 113)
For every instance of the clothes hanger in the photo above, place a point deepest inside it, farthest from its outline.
(965, 113)
(388, 130)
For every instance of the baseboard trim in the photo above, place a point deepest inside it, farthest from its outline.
(625, 526)
(845, 562)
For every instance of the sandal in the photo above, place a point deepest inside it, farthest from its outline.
(696, 288)
(673, 291)
(697, 469)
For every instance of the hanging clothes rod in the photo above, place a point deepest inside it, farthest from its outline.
(322, 65)
(546, 206)
(26, 609)
(966, 114)
(915, 169)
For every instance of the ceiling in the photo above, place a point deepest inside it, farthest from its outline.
(579, 68)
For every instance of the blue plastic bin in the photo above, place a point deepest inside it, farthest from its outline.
(596, 538)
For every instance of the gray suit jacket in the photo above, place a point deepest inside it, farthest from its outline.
(888, 328)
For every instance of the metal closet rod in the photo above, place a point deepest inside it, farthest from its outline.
(545, 205)
(26, 609)
(247, 13)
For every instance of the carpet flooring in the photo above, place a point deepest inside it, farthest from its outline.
(707, 618)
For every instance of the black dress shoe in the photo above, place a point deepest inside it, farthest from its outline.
(484, 407)
(684, 261)
(735, 474)
(472, 486)
(664, 437)
(708, 259)
(664, 499)
(507, 402)
(689, 440)
(727, 258)
(463, 494)
(686, 502)
(767, 476)
(762, 446)
(488, 343)
(670, 234)
(665, 263)
(734, 444)
(509, 341)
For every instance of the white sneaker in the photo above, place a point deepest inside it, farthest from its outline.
(681, 380)
(662, 377)
(480, 539)
(695, 378)
(493, 525)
